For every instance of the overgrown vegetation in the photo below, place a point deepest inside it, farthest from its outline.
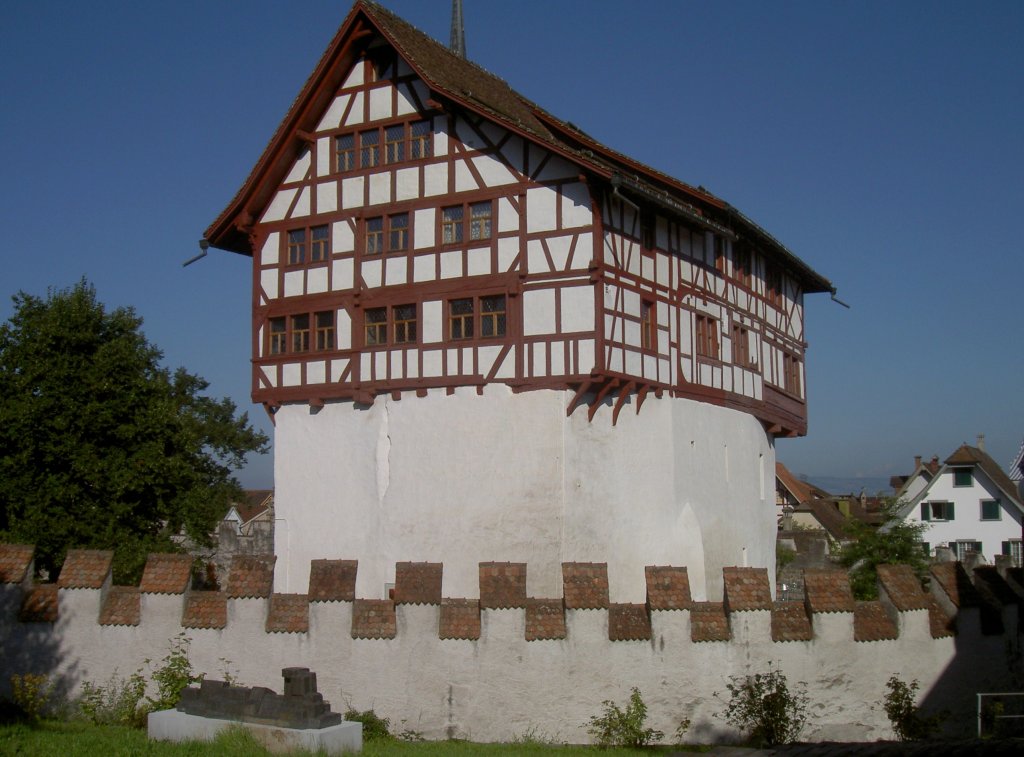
(624, 727)
(32, 693)
(894, 542)
(905, 716)
(374, 726)
(100, 445)
(763, 706)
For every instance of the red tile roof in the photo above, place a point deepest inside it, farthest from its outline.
(747, 589)
(289, 613)
(418, 583)
(373, 619)
(872, 623)
(251, 576)
(827, 590)
(166, 574)
(205, 609)
(790, 622)
(502, 585)
(85, 569)
(628, 623)
(954, 581)
(709, 622)
(332, 580)
(902, 587)
(939, 622)
(257, 502)
(122, 607)
(460, 619)
(39, 604)
(585, 585)
(545, 619)
(668, 588)
(15, 560)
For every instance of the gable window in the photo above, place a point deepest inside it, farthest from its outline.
(369, 149)
(374, 235)
(394, 144)
(707, 337)
(398, 232)
(451, 225)
(648, 325)
(419, 140)
(387, 234)
(292, 334)
(990, 509)
(963, 477)
(486, 316)
(376, 326)
(454, 222)
(345, 152)
(480, 220)
(316, 238)
(937, 511)
(405, 323)
(740, 345)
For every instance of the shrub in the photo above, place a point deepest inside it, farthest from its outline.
(118, 702)
(763, 705)
(172, 676)
(618, 727)
(31, 692)
(907, 721)
(374, 726)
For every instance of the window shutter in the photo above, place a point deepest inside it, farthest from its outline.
(1006, 547)
(926, 511)
(949, 511)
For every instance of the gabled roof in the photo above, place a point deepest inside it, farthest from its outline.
(801, 491)
(967, 455)
(255, 503)
(457, 81)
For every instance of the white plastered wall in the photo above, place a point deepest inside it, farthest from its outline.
(512, 479)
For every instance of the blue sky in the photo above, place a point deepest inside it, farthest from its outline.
(881, 142)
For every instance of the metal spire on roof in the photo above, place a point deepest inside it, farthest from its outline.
(458, 37)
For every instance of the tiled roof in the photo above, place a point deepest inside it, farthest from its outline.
(628, 623)
(205, 609)
(747, 589)
(801, 491)
(39, 605)
(256, 502)
(872, 623)
(373, 619)
(418, 583)
(545, 619)
(460, 619)
(939, 622)
(955, 582)
(122, 606)
(668, 588)
(827, 590)
(166, 574)
(502, 585)
(708, 622)
(585, 585)
(790, 622)
(967, 455)
(289, 613)
(332, 580)
(251, 576)
(14, 562)
(902, 587)
(85, 569)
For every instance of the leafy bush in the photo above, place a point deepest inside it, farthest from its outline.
(895, 542)
(118, 702)
(173, 675)
(31, 692)
(374, 726)
(763, 705)
(907, 721)
(617, 727)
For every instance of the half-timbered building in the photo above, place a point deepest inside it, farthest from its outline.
(484, 336)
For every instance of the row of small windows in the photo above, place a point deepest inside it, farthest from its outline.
(458, 223)
(989, 509)
(468, 318)
(364, 149)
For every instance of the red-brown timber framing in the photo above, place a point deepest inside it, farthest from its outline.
(466, 95)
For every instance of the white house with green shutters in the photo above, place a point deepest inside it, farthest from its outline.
(971, 506)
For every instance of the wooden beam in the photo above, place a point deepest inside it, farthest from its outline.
(622, 399)
(596, 403)
(576, 397)
(641, 396)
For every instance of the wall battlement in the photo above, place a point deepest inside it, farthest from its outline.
(482, 666)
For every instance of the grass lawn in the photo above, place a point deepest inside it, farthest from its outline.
(49, 739)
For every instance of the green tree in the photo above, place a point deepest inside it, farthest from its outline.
(895, 542)
(100, 446)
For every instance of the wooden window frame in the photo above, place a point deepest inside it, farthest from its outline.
(452, 228)
(377, 328)
(394, 148)
(937, 511)
(741, 346)
(399, 243)
(706, 337)
(791, 382)
(345, 157)
(295, 246)
(298, 332)
(481, 318)
(290, 335)
(470, 225)
(743, 259)
(773, 283)
(371, 148)
(460, 324)
(324, 331)
(958, 472)
(306, 244)
(277, 336)
(319, 243)
(648, 326)
(373, 237)
(405, 328)
(382, 145)
(421, 143)
(497, 318)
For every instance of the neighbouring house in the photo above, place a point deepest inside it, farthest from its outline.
(907, 487)
(1017, 472)
(972, 508)
(247, 528)
(485, 336)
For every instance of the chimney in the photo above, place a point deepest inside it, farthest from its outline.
(981, 442)
(917, 462)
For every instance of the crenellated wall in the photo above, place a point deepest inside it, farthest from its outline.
(494, 666)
